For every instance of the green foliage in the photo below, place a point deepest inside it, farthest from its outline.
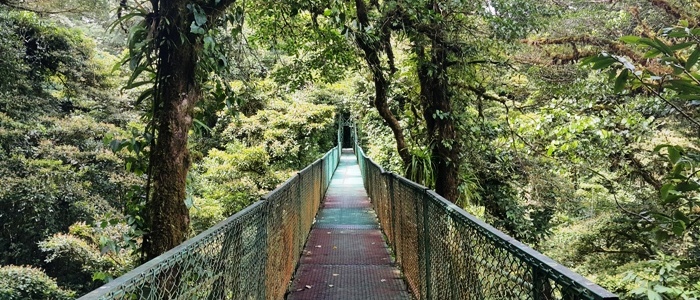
(206, 212)
(551, 153)
(234, 178)
(29, 283)
(667, 224)
(662, 279)
(421, 167)
(49, 54)
(315, 43)
(88, 256)
(258, 152)
(57, 104)
(292, 132)
(679, 210)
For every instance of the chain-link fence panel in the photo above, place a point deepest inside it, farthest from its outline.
(446, 253)
(214, 265)
(250, 255)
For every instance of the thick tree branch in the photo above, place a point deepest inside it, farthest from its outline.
(613, 47)
(671, 10)
(641, 170)
(17, 6)
(371, 48)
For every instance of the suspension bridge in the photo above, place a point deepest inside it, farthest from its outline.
(344, 228)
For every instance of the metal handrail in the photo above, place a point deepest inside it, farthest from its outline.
(250, 255)
(447, 253)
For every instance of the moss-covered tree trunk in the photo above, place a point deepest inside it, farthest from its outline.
(167, 214)
(178, 94)
(372, 47)
(439, 117)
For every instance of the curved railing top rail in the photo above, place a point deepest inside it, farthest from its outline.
(422, 225)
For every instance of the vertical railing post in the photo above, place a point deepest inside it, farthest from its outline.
(426, 246)
(392, 200)
(302, 213)
(420, 205)
(262, 231)
(266, 243)
(541, 288)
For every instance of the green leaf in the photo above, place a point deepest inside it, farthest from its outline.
(687, 186)
(678, 227)
(144, 95)
(194, 28)
(662, 146)
(679, 215)
(100, 276)
(135, 74)
(693, 58)
(680, 46)
(674, 154)
(621, 81)
(659, 45)
(638, 291)
(661, 235)
(683, 86)
(665, 190)
(652, 53)
(673, 198)
(201, 125)
(603, 63)
(133, 85)
(587, 60)
(662, 289)
(199, 17)
(652, 295)
(117, 66)
(630, 39)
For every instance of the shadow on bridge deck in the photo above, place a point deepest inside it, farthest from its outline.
(346, 256)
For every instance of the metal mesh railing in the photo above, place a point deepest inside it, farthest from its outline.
(250, 255)
(446, 253)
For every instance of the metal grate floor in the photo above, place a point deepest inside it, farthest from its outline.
(345, 256)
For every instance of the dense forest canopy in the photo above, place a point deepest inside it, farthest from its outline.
(128, 126)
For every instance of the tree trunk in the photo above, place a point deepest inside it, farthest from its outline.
(372, 47)
(168, 216)
(439, 117)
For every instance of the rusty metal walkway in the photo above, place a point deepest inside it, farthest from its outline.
(345, 256)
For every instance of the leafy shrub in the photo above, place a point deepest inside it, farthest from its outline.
(87, 256)
(235, 178)
(29, 283)
(294, 133)
(205, 213)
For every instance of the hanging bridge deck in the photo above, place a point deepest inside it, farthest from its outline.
(345, 256)
(321, 227)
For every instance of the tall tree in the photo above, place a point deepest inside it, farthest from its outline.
(444, 38)
(171, 45)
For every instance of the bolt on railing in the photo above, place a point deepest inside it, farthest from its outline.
(446, 253)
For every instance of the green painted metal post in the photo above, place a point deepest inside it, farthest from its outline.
(426, 247)
(262, 232)
(265, 237)
(300, 204)
(541, 289)
(392, 200)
